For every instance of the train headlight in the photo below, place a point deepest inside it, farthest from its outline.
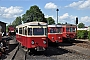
(52, 38)
(44, 42)
(1, 45)
(59, 37)
(67, 35)
(32, 42)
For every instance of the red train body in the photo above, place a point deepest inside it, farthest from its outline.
(32, 35)
(69, 31)
(11, 30)
(55, 33)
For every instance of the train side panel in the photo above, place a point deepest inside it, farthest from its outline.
(32, 35)
(55, 33)
(55, 37)
(69, 31)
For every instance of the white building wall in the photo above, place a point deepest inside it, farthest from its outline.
(88, 29)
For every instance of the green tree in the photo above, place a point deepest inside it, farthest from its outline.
(50, 20)
(59, 23)
(33, 14)
(81, 25)
(89, 35)
(17, 21)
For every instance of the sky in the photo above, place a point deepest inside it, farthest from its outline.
(68, 10)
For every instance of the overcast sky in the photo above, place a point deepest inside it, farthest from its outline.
(68, 10)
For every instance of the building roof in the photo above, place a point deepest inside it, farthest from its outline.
(3, 22)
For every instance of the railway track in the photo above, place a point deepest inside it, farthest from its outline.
(77, 47)
(54, 53)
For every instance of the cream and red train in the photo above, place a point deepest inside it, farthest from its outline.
(32, 35)
(69, 31)
(62, 32)
(11, 31)
(55, 33)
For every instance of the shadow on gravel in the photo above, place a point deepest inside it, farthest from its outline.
(51, 51)
(54, 49)
(69, 43)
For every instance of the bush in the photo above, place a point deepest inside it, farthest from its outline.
(82, 34)
(89, 35)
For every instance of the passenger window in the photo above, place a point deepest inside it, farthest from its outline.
(16, 30)
(29, 31)
(52, 30)
(20, 30)
(67, 29)
(73, 29)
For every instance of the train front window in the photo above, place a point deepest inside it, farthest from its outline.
(52, 30)
(55, 30)
(38, 31)
(58, 30)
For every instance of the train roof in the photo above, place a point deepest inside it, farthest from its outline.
(68, 25)
(33, 24)
(55, 25)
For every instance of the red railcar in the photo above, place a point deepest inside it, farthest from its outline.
(69, 31)
(32, 35)
(55, 33)
(11, 30)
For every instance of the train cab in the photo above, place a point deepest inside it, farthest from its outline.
(69, 31)
(32, 35)
(11, 30)
(55, 33)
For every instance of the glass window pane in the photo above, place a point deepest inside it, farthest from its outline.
(38, 31)
(16, 30)
(29, 31)
(73, 29)
(52, 30)
(20, 30)
(58, 30)
(67, 29)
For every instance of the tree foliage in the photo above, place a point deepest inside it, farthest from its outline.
(17, 21)
(59, 23)
(81, 25)
(33, 14)
(82, 34)
(89, 35)
(50, 20)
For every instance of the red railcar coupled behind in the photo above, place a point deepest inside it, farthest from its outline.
(32, 35)
(69, 31)
(55, 33)
(11, 30)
